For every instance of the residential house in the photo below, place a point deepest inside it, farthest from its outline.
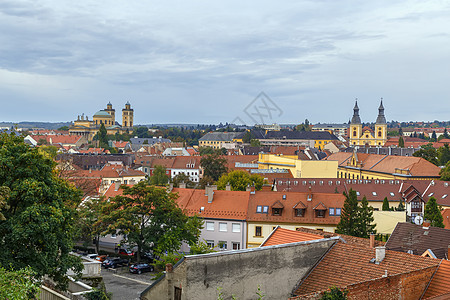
(300, 168)
(219, 140)
(372, 166)
(224, 214)
(267, 210)
(189, 166)
(420, 240)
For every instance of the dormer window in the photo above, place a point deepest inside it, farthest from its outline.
(299, 212)
(277, 211)
(320, 213)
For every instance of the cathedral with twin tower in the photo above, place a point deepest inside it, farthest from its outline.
(107, 117)
(366, 136)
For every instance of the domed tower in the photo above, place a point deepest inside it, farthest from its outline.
(381, 126)
(127, 115)
(111, 111)
(355, 126)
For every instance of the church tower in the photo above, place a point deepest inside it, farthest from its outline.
(381, 126)
(127, 115)
(355, 126)
(112, 112)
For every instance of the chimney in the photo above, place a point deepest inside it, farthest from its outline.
(380, 253)
(169, 268)
(117, 185)
(372, 241)
(228, 187)
(248, 189)
(182, 185)
(426, 225)
(252, 189)
(210, 192)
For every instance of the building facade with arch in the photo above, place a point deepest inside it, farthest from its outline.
(366, 136)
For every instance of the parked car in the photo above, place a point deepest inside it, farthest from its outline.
(114, 262)
(141, 268)
(126, 252)
(101, 258)
(92, 256)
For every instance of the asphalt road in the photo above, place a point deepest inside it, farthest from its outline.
(125, 285)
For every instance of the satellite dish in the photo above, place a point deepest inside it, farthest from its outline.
(418, 220)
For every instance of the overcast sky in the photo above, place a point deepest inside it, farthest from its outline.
(206, 61)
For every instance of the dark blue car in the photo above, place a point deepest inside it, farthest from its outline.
(141, 268)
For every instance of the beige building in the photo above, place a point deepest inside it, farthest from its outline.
(366, 136)
(88, 128)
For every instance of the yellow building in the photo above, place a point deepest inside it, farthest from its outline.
(299, 168)
(360, 136)
(375, 166)
(88, 128)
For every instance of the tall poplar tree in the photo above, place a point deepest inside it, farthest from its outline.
(365, 219)
(349, 215)
(433, 213)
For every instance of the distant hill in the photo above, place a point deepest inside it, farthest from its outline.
(44, 125)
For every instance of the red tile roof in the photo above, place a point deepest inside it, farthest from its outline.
(58, 139)
(262, 198)
(347, 264)
(439, 284)
(446, 216)
(225, 204)
(285, 236)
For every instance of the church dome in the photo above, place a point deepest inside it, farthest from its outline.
(102, 113)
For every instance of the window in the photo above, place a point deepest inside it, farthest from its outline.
(236, 227)
(277, 211)
(125, 181)
(259, 209)
(284, 197)
(113, 235)
(210, 226)
(331, 211)
(236, 246)
(266, 209)
(320, 213)
(392, 194)
(374, 193)
(223, 245)
(210, 244)
(258, 231)
(338, 211)
(444, 196)
(357, 194)
(431, 194)
(223, 227)
(299, 212)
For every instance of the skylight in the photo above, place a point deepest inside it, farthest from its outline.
(392, 194)
(445, 196)
(374, 193)
(431, 194)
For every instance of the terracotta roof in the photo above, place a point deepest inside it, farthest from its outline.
(389, 164)
(285, 236)
(347, 238)
(186, 162)
(410, 237)
(225, 204)
(58, 139)
(347, 264)
(278, 204)
(439, 284)
(446, 216)
(111, 192)
(288, 215)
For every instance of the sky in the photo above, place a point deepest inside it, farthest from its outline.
(225, 61)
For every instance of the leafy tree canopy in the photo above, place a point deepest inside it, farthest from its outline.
(183, 178)
(433, 213)
(214, 165)
(239, 180)
(335, 294)
(159, 176)
(151, 219)
(429, 153)
(385, 206)
(20, 284)
(445, 172)
(39, 226)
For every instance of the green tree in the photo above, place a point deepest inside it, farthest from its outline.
(365, 219)
(255, 143)
(335, 294)
(445, 172)
(401, 142)
(20, 284)
(4, 195)
(183, 178)
(206, 150)
(98, 294)
(91, 224)
(159, 176)
(434, 136)
(239, 180)
(102, 136)
(401, 206)
(64, 128)
(247, 137)
(151, 219)
(443, 154)
(39, 225)
(304, 126)
(141, 132)
(429, 153)
(214, 165)
(433, 213)
(385, 206)
(348, 223)
(445, 134)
